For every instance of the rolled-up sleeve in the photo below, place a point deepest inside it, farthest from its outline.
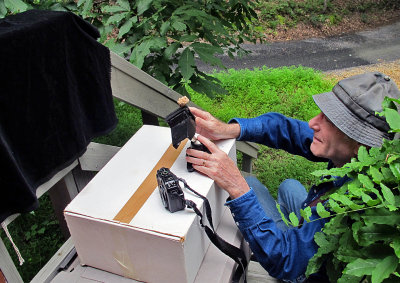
(278, 131)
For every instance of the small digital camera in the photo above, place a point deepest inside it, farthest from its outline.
(198, 146)
(171, 193)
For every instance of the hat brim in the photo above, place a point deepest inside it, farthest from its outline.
(347, 121)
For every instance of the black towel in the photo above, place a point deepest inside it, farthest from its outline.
(55, 96)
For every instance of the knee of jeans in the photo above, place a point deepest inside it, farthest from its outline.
(252, 181)
(287, 186)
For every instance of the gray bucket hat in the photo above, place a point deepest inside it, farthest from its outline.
(352, 103)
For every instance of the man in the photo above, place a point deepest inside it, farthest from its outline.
(347, 121)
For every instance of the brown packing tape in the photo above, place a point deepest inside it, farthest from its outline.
(139, 197)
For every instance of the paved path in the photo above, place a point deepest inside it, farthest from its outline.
(358, 49)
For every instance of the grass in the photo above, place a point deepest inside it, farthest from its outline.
(251, 93)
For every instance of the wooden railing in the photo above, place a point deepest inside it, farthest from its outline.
(138, 89)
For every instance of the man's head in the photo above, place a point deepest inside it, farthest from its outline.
(352, 104)
(348, 116)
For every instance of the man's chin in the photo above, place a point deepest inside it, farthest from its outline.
(314, 150)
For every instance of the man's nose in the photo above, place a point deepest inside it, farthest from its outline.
(314, 122)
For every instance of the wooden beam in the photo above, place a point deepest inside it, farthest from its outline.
(249, 148)
(7, 266)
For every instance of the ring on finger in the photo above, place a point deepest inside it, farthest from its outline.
(204, 162)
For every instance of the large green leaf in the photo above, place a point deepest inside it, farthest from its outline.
(140, 52)
(207, 53)
(16, 6)
(179, 26)
(124, 4)
(164, 28)
(326, 244)
(282, 215)
(380, 216)
(377, 176)
(395, 168)
(387, 194)
(126, 27)
(322, 212)
(116, 18)
(376, 233)
(393, 118)
(384, 268)
(143, 6)
(361, 267)
(112, 9)
(171, 50)
(366, 181)
(306, 213)
(396, 246)
(344, 199)
(293, 218)
(186, 63)
(3, 9)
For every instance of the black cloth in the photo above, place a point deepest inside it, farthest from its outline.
(55, 96)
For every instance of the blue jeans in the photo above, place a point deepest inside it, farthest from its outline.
(291, 195)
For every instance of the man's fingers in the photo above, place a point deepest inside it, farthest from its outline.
(199, 113)
(209, 144)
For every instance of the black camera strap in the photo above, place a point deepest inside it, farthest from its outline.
(230, 250)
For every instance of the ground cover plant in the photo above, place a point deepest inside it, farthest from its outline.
(287, 90)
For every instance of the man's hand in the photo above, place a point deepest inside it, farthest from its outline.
(212, 128)
(219, 167)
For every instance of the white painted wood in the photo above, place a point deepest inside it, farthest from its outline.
(47, 273)
(42, 189)
(7, 265)
(96, 156)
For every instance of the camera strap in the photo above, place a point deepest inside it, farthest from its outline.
(230, 250)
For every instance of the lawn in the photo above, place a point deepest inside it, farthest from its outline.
(251, 93)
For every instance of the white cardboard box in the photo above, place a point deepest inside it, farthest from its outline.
(156, 245)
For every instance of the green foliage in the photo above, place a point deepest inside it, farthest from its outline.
(129, 121)
(361, 242)
(163, 37)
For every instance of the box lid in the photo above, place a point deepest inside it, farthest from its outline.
(107, 193)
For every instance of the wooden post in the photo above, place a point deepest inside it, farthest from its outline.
(60, 195)
(247, 163)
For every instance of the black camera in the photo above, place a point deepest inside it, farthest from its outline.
(171, 193)
(198, 146)
(182, 124)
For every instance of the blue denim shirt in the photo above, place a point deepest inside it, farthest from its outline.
(284, 255)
